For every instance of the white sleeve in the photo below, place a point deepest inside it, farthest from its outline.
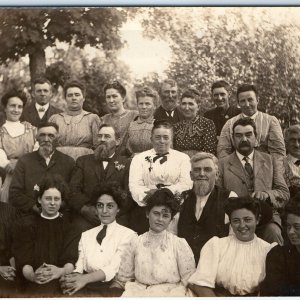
(79, 266)
(3, 159)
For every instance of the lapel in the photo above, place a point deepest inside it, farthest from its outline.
(258, 163)
(207, 208)
(111, 169)
(98, 167)
(236, 167)
(33, 112)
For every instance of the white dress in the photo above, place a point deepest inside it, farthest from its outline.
(237, 266)
(156, 265)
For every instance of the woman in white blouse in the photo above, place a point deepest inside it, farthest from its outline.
(100, 248)
(156, 263)
(233, 265)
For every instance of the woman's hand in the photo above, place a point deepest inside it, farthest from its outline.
(8, 272)
(42, 275)
(72, 283)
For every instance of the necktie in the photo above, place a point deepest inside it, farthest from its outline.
(297, 162)
(163, 156)
(248, 167)
(42, 109)
(101, 235)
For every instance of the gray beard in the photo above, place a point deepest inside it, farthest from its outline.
(201, 188)
(101, 152)
(46, 150)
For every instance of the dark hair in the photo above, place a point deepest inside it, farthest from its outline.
(244, 122)
(162, 124)
(13, 93)
(117, 86)
(48, 124)
(74, 83)
(41, 80)
(246, 202)
(245, 88)
(163, 197)
(220, 84)
(146, 91)
(292, 207)
(112, 189)
(51, 181)
(117, 133)
(191, 93)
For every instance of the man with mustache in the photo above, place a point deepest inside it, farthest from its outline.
(250, 172)
(202, 214)
(32, 167)
(104, 165)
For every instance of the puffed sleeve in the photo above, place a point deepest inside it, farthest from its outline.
(207, 268)
(185, 260)
(79, 267)
(95, 124)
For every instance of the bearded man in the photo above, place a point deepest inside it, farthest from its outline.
(32, 167)
(202, 215)
(91, 170)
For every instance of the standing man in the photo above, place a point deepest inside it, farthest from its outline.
(220, 92)
(169, 100)
(269, 136)
(40, 110)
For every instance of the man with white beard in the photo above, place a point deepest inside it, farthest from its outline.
(202, 215)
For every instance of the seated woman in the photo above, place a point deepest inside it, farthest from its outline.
(283, 262)
(139, 132)
(195, 133)
(78, 129)
(42, 244)
(157, 263)
(100, 248)
(16, 138)
(119, 117)
(233, 265)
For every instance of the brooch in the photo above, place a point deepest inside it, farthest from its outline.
(119, 166)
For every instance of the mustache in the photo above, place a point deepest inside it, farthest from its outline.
(244, 143)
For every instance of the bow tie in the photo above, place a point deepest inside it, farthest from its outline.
(163, 156)
(42, 109)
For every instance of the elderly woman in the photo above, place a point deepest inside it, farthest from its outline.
(139, 132)
(78, 128)
(283, 262)
(100, 248)
(157, 263)
(233, 265)
(195, 133)
(119, 117)
(42, 243)
(16, 138)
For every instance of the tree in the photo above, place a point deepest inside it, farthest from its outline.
(31, 31)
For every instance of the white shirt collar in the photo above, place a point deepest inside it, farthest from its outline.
(46, 106)
(253, 117)
(240, 156)
(292, 158)
(109, 226)
(49, 218)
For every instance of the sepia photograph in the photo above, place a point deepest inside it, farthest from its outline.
(149, 151)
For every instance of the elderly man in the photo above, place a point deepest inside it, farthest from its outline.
(40, 110)
(250, 172)
(169, 99)
(269, 136)
(220, 92)
(91, 170)
(156, 168)
(202, 214)
(32, 167)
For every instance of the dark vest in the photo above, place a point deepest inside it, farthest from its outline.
(211, 223)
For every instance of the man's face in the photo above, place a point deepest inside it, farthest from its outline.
(248, 103)
(107, 143)
(293, 144)
(220, 96)
(47, 138)
(161, 140)
(204, 174)
(244, 139)
(169, 96)
(42, 93)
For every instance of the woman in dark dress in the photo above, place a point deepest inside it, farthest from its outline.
(43, 243)
(283, 262)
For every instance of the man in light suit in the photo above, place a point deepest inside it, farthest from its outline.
(250, 172)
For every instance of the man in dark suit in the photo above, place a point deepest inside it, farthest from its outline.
(102, 166)
(169, 99)
(251, 172)
(32, 167)
(40, 110)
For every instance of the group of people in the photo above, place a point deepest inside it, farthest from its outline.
(136, 203)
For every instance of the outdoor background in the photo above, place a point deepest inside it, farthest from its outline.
(194, 46)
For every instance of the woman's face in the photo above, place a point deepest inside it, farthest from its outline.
(50, 202)
(293, 228)
(114, 100)
(146, 107)
(14, 109)
(74, 98)
(107, 209)
(159, 218)
(189, 108)
(243, 223)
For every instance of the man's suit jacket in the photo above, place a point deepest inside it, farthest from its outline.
(89, 173)
(267, 177)
(160, 114)
(31, 115)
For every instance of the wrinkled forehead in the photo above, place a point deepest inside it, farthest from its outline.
(204, 163)
(47, 130)
(107, 131)
(243, 129)
(42, 86)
